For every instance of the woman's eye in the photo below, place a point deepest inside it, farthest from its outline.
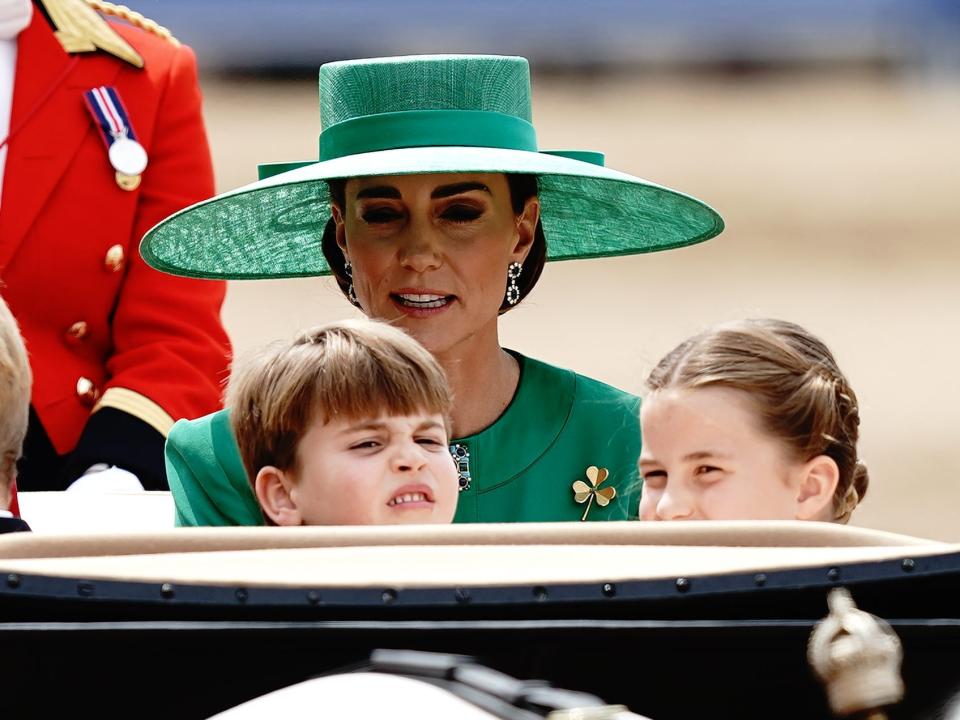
(461, 213)
(380, 216)
(707, 470)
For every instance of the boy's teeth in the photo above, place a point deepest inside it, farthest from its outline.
(408, 497)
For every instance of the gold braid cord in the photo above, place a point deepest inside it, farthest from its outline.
(132, 17)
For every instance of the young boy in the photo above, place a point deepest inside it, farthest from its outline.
(347, 425)
(15, 381)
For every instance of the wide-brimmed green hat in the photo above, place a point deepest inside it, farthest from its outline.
(422, 114)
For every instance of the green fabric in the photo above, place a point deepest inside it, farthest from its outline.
(272, 228)
(523, 466)
(424, 128)
(206, 475)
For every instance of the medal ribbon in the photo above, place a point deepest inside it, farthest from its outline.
(109, 113)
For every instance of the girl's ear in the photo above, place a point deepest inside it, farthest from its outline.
(818, 482)
(272, 488)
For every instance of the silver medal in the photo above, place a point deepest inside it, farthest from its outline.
(128, 156)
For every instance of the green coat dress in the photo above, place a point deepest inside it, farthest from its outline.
(520, 469)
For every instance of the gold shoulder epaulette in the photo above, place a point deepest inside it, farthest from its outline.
(132, 17)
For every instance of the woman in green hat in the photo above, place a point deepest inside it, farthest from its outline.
(434, 209)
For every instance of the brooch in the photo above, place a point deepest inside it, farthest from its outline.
(584, 493)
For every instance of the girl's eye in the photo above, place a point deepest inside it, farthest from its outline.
(380, 216)
(461, 213)
(707, 470)
(655, 479)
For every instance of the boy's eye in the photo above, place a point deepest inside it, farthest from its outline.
(380, 216)
(430, 442)
(365, 445)
(461, 213)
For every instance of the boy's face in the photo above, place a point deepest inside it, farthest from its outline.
(705, 457)
(383, 471)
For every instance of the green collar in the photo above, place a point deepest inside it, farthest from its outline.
(528, 427)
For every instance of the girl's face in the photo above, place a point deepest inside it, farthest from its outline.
(430, 252)
(705, 457)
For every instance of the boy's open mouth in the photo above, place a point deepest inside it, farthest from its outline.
(408, 496)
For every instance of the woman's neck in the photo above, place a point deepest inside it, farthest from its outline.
(483, 380)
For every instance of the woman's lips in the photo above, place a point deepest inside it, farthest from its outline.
(420, 303)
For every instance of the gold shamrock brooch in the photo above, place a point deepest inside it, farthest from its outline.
(584, 493)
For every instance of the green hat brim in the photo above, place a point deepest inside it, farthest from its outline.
(272, 228)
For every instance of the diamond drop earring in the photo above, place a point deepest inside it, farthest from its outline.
(513, 291)
(351, 293)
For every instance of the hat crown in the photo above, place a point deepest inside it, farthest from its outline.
(358, 88)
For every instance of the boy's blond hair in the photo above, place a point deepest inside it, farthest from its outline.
(351, 369)
(15, 381)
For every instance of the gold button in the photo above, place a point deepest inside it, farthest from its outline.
(113, 260)
(76, 332)
(87, 391)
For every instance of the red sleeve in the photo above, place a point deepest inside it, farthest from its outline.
(169, 344)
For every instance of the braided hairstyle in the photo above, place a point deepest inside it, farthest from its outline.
(794, 383)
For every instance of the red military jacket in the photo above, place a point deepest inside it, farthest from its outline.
(118, 350)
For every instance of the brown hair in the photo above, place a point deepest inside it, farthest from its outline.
(351, 369)
(15, 382)
(794, 382)
(522, 188)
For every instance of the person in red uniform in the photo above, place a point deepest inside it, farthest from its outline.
(119, 351)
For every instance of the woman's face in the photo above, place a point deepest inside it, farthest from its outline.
(430, 252)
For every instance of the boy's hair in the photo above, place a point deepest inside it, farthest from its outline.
(15, 381)
(351, 369)
(794, 383)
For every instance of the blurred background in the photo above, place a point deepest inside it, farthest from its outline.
(825, 133)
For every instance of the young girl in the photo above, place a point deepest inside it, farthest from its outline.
(747, 421)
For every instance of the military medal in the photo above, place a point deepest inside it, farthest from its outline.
(126, 155)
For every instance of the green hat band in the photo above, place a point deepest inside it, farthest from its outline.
(426, 128)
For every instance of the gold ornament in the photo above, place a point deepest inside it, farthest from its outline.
(81, 29)
(583, 493)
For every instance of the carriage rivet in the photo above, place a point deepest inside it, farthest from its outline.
(609, 589)
(683, 585)
(833, 574)
(540, 593)
(908, 564)
(242, 595)
(388, 596)
(313, 597)
(13, 581)
(167, 591)
(462, 596)
(760, 579)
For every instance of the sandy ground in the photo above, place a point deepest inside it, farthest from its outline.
(841, 201)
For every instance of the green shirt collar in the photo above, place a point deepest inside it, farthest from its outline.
(528, 427)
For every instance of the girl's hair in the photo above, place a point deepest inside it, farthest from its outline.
(522, 188)
(352, 369)
(794, 383)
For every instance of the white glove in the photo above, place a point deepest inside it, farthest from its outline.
(105, 478)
